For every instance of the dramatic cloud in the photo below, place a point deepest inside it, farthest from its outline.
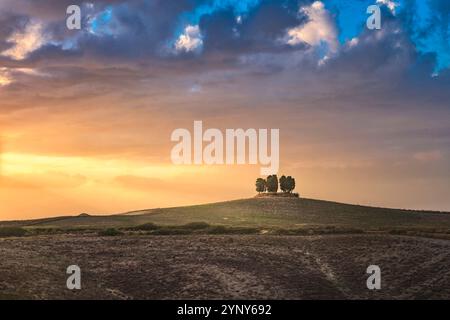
(5, 77)
(26, 41)
(10, 75)
(319, 30)
(96, 106)
(389, 3)
(190, 40)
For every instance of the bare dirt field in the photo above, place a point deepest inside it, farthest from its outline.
(224, 267)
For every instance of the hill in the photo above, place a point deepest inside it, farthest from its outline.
(261, 213)
(260, 248)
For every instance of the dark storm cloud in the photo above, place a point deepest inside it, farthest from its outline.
(8, 24)
(258, 32)
(147, 29)
(144, 32)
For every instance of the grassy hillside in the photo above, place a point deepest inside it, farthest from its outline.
(260, 212)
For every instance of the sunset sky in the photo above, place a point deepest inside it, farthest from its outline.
(86, 115)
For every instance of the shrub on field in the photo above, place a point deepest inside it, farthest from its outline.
(145, 227)
(170, 231)
(12, 232)
(110, 232)
(231, 230)
(195, 226)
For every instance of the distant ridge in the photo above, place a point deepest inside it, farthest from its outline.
(261, 211)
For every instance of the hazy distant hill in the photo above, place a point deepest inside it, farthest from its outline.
(259, 212)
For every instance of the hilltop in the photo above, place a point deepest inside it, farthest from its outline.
(265, 212)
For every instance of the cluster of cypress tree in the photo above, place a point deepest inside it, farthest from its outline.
(287, 184)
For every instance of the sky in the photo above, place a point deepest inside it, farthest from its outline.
(86, 115)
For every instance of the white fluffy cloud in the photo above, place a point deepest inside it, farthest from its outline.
(190, 40)
(10, 75)
(318, 30)
(26, 41)
(389, 3)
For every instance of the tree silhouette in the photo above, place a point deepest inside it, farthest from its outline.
(272, 183)
(260, 185)
(287, 184)
(290, 184)
(283, 185)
